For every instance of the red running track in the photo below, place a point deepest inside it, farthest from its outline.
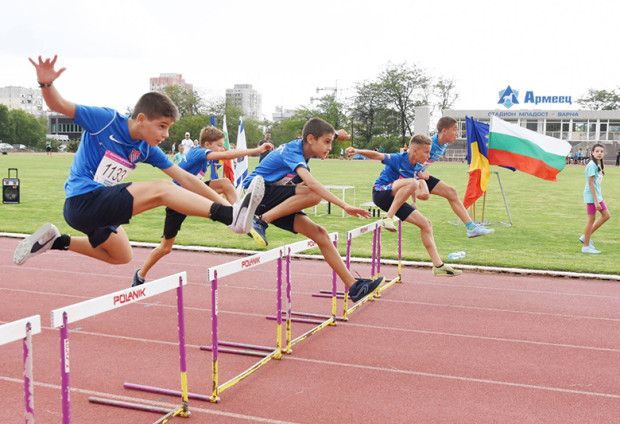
(473, 349)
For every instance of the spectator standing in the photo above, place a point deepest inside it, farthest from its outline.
(179, 156)
(187, 143)
(267, 139)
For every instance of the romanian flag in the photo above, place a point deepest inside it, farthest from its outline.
(479, 168)
(528, 151)
(229, 172)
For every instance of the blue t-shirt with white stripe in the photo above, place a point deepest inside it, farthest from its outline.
(397, 166)
(195, 161)
(106, 130)
(280, 164)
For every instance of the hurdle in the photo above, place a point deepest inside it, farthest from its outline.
(267, 353)
(312, 318)
(62, 317)
(375, 227)
(24, 329)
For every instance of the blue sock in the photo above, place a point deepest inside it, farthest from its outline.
(470, 225)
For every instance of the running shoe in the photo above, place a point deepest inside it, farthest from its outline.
(257, 232)
(446, 271)
(244, 209)
(478, 231)
(363, 287)
(582, 239)
(39, 242)
(589, 249)
(388, 224)
(137, 279)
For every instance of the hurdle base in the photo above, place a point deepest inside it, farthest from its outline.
(302, 320)
(183, 411)
(235, 351)
(168, 392)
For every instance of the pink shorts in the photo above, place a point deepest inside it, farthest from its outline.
(592, 208)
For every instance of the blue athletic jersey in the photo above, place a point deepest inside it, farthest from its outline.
(106, 130)
(195, 161)
(437, 150)
(279, 166)
(397, 166)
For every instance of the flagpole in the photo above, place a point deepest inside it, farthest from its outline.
(484, 203)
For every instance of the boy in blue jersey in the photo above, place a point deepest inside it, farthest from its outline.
(197, 162)
(447, 133)
(396, 184)
(98, 202)
(290, 188)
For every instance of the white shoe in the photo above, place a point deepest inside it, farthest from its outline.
(582, 239)
(589, 249)
(388, 224)
(244, 209)
(478, 231)
(39, 242)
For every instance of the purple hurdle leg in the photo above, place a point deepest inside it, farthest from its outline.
(214, 338)
(279, 310)
(64, 370)
(182, 353)
(28, 382)
(378, 251)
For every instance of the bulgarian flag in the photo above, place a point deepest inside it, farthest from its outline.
(229, 172)
(479, 168)
(528, 151)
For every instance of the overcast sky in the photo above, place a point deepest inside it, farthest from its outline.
(288, 49)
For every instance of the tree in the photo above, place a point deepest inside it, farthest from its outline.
(365, 109)
(444, 91)
(5, 124)
(26, 129)
(187, 101)
(600, 99)
(404, 88)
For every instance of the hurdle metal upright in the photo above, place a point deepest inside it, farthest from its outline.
(24, 329)
(62, 317)
(375, 227)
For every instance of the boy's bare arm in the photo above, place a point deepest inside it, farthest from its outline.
(234, 154)
(46, 75)
(191, 183)
(370, 154)
(315, 186)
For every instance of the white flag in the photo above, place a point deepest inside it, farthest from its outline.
(241, 166)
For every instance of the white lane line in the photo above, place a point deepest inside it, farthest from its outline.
(458, 378)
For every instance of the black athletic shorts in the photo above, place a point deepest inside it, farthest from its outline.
(100, 212)
(432, 182)
(173, 221)
(384, 200)
(274, 195)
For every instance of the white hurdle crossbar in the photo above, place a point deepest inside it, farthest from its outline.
(62, 317)
(24, 329)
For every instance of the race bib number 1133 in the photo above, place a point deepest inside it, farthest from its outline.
(113, 169)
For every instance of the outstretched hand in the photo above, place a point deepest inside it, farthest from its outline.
(350, 151)
(46, 74)
(358, 212)
(266, 146)
(343, 135)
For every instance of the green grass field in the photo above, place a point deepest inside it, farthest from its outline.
(548, 217)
